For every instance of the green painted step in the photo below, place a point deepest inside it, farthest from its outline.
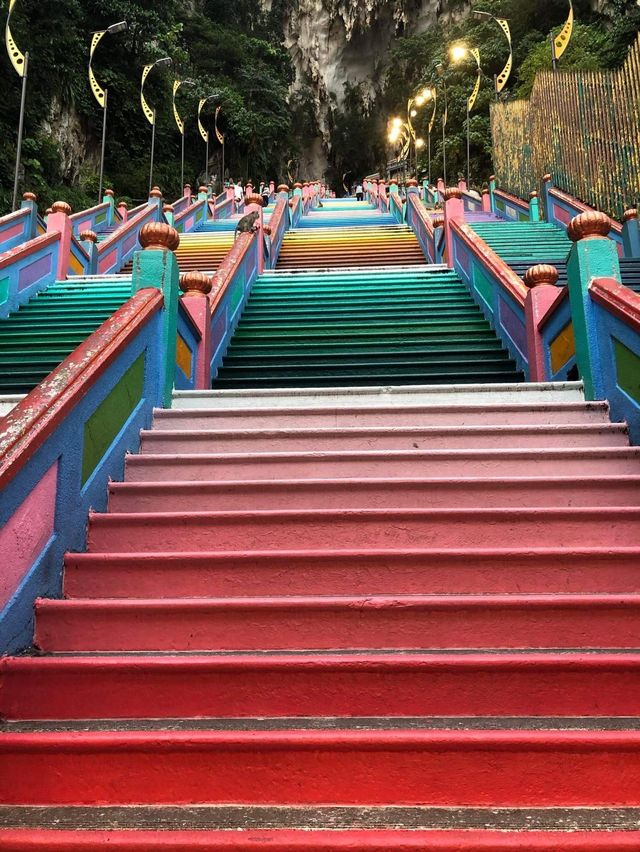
(392, 366)
(434, 345)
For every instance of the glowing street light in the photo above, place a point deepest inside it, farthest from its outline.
(99, 93)
(150, 114)
(445, 115)
(458, 53)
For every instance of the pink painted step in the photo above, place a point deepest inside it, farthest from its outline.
(288, 623)
(301, 440)
(431, 415)
(483, 768)
(367, 840)
(365, 683)
(405, 572)
(398, 463)
(375, 493)
(387, 529)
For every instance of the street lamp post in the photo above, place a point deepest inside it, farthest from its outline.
(150, 114)
(500, 80)
(205, 134)
(20, 62)
(180, 123)
(99, 93)
(445, 116)
(459, 52)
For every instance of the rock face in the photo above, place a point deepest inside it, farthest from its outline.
(332, 42)
(64, 126)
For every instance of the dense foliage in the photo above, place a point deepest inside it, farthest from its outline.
(600, 40)
(232, 50)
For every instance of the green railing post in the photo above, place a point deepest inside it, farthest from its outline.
(593, 255)
(157, 267)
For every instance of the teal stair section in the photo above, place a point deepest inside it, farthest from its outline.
(35, 339)
(524, 244)
(400, 326)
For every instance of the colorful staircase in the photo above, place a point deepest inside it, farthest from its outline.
(372, 619)
(35, 339)
(373, 592)
(345, 233)
(391, 325)
(524, 244)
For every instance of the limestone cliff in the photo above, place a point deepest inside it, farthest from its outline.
(336, 41)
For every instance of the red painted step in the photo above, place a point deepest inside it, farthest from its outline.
(437, 463)
(375, 493)
(387, 529)
(401, 416)
(329, 684)
(438, 767)
(318, 841)
(306, 440)
(290, 623)
(366, 572)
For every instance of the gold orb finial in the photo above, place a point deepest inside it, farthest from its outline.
(159, 236)
(541, 273)
(589, 225)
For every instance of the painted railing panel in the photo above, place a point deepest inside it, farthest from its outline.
(181, 205)
(510, 207)
(17, 228)
(224, 209)
(558, 341)
(115, 251)
(278, 226)
(495, 288)
(232, 285)
(93, 219)
(471, 203)
(419, 220)
(616, 310)
(78, 259)
(187, 342)
(26, 270)
(295, 207)
(396, 207)
(60, 447)
(561, 208)
(191, 217)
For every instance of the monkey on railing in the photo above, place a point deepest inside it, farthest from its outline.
(247, 224)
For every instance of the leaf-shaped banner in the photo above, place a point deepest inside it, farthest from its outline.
(176, 114)
(15, 54)
(474, 94)
(219, 135)
(204, 133)
(146, 109)
(561, 42)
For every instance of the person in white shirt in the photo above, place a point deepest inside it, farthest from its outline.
(238, 192)
(359, 192)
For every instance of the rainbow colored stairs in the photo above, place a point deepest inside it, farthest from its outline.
(386, 616)
(371, 619)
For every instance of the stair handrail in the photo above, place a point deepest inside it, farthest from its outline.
(419, 220)
(28, 268)
(17, 227)
(118, 248)
(509, 206)
(49, 432)
(190, 217)
(92, 218)
(561, 207)
(225, 208)
(278, 227)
